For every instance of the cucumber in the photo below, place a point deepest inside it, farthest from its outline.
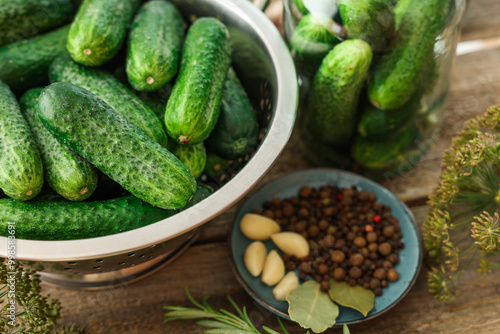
(67, 173)
(202, 192)
(99, 30)
(61, 220)
(26, 64)
(22, 19)
(385, 155)
(369, 20)
(397, 76)
(215, 165)
(301, 7)
(194, 106)
(112, 92)
(21, 168)
(236, 132)
(159, 29)
(193, 156)
(335, 92)
(107, 140)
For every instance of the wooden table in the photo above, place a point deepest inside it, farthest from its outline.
(205, 268)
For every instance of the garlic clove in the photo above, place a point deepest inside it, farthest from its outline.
(258, 227)
(274, 269)
(291, 243)
(254, 258)
(287, 284)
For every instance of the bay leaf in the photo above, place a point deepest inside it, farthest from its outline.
(355, 297)
(312, 308)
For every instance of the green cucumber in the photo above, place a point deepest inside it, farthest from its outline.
(26, 64)
(202, 192)
(236, 132)
(215, 165)
(22, 19)
(335, 92)
(369, 20)
(107, 140)
(194, 106)
(99, 30)
(193, 156)
(112, 92)
(67, 173)
(61, 220)
(385, 155)
(158, 29)
(301, 7)
(21, 168)
(398, 74)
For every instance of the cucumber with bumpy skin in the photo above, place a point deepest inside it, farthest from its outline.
(107, 140)
(21, 168)
(67, 173)
(158, 28)
(25, 64)
(193, 156)
(215, 165)
(112, 92)
(334, 95)
(22, 19)
(236, 131)
(194, 106)
(99, 30)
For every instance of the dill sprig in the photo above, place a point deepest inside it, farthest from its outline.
(463, 220)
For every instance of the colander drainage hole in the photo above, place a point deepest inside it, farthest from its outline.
(142, 256)
(97, 268)
(99, 261)
(68, 269)
(121, 263)
(72, 263)
(131, 254)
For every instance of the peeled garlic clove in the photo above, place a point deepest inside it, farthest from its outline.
(291, 243)
(289, 282)
(274, 269)
(255, 256)
(258, 227)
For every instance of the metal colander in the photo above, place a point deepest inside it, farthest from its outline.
(266, 70)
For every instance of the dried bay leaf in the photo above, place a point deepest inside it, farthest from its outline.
(355, 297)
(312, 308)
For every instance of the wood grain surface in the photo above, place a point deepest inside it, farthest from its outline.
(137, 308)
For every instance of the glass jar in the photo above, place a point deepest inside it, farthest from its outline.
(374, 76)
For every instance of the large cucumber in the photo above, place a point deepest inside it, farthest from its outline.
(194, 106)
(236, 131)
(334, 95)
(112, 92)
(95, 131)
(154, 45)
(397, 76)
(22, 19)
(26, 64)
(369, 20)
(193, 156)
(67, 173)
(21, 169)
(99, 30)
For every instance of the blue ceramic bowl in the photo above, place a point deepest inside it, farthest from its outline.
(410, 257)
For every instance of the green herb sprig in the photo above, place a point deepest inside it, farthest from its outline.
(463, 220)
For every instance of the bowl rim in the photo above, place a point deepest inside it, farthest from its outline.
(280, 129)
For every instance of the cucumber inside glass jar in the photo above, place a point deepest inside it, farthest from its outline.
(381, 118)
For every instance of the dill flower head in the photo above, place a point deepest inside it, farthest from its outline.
(486, 231)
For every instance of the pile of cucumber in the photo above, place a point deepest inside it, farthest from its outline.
(370, 62)
(114, 94)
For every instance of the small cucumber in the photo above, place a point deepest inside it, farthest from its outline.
(67, 173)
(99, 30)
(22, 19)
(61, 220)
(107, 140)
(202, 192)
(236, 131)
(112, 92)
(369, 20)
(335, 92)
(26, 64)
(215, 165)
(193, 156)
(159, 29)
(21, 168)
(194, 106)
(397, 76)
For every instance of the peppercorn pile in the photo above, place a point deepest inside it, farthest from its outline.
(352, 238)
